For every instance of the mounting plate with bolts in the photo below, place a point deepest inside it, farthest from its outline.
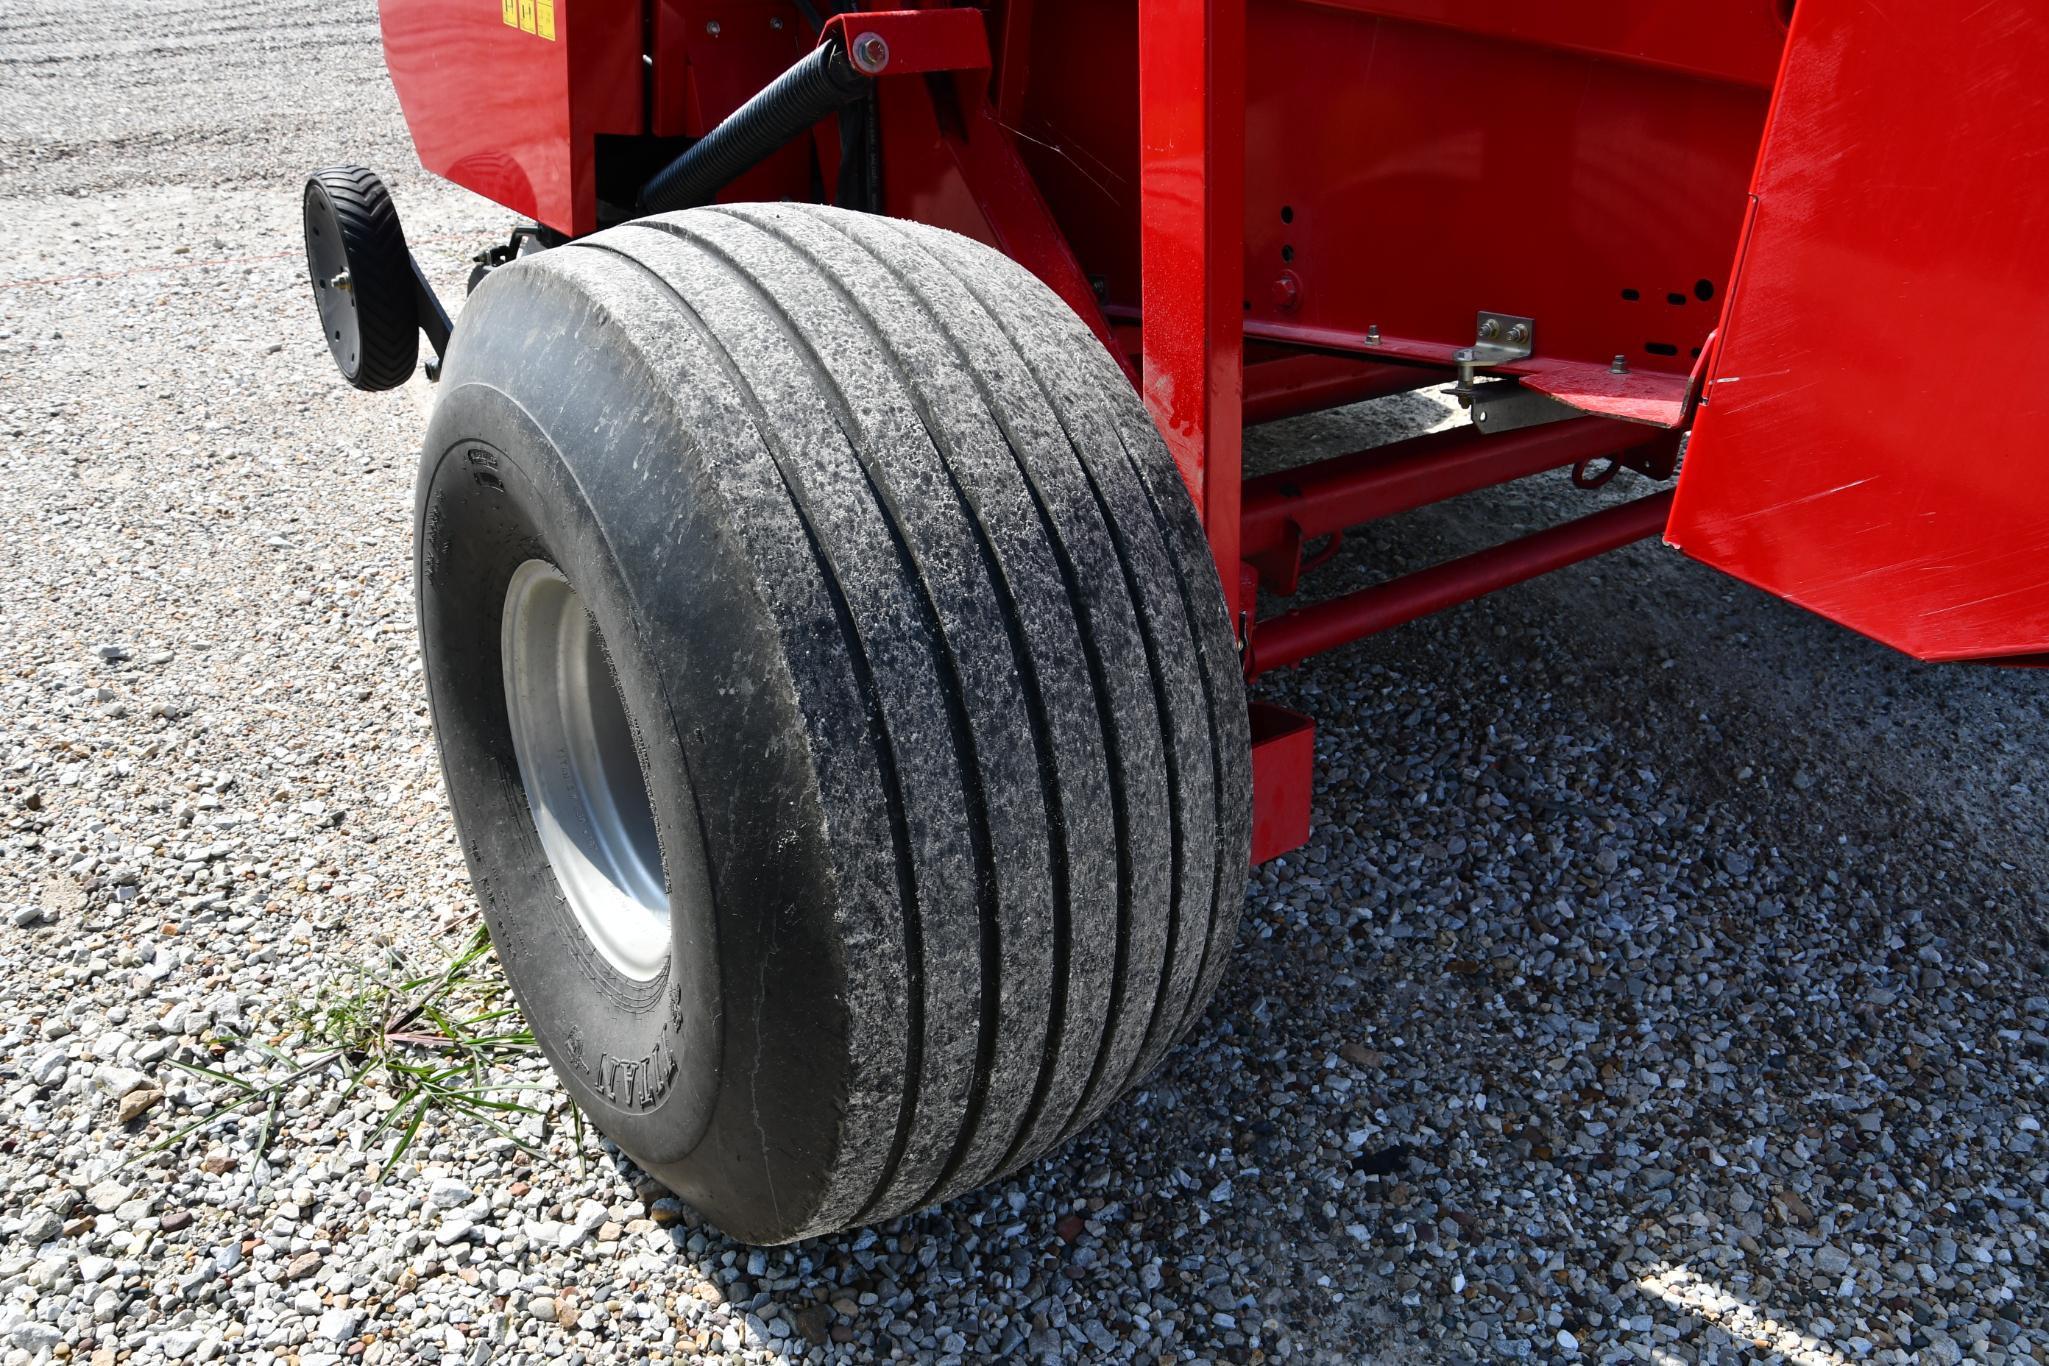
(1501, 405)
(1502, 337)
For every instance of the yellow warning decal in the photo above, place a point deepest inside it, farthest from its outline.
(530, 16)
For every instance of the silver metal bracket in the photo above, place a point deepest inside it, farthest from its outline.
(1501, 405)
(1498, 338)
(1502, 337)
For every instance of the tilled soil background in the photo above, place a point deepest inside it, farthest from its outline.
(1665, 980)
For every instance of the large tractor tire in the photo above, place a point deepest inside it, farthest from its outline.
(836, 701)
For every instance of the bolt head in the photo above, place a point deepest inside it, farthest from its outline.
(1287, 291)
(871, 54)
(712, 27)
(1518, 335)
(775, 21)
(1489, 329)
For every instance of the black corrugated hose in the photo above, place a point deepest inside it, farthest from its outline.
(822, 81)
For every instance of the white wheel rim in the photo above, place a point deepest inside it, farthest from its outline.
(582, 773)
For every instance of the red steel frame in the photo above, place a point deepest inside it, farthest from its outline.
(1191, 186)
(1584, 163)
(1191, 84)
(959, 152)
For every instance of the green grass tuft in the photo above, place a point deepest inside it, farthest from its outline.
(432, 1045)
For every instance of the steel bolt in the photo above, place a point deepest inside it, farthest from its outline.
(712, 28)
(342, 282)
(871, 54)
(1287, 291)
(1619, 366)
(775, 21)
(1489, 329)
(1373, 335)
(1518, 335)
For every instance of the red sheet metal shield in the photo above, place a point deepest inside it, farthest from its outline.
(1871, 446)
(504, 97)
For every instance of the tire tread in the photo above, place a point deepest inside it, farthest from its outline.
(1034, 631)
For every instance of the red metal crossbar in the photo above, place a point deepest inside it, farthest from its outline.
(1311, 381)
(1292, 638)
(1283, 510)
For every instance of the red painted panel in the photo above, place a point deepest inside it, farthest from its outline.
(1733, 40)
(1283, 776)
(497, 106)
(1410, 175)
(1866, 449)
(1408, 172)
(712, 55)
(1436, 157)
(948, 160)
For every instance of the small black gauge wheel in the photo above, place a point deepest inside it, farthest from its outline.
(362, 277)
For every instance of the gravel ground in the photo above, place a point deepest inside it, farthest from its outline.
(1665, 981)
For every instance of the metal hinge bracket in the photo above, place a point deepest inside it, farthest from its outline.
(1501, 405)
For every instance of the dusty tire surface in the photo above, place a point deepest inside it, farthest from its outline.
(930, 678)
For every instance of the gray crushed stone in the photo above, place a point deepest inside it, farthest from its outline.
(1664, 982)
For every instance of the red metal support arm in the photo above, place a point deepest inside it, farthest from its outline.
(1282, 510)
(1295, 637)
(912, 41)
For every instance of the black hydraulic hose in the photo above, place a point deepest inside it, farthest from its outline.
(822, 81)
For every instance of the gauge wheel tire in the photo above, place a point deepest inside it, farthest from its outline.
(836, 701)
(372, 325)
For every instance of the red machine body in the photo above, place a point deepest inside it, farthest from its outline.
(507, 98)
(1795, 233)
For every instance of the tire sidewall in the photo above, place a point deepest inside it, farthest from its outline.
(602, 476)
(642, 1057)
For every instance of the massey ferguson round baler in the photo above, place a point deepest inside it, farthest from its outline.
(837, 584)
